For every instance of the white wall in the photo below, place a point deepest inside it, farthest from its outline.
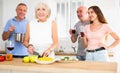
(0, 12)
(1, 20)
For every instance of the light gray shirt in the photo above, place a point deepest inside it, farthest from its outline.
(79, 27)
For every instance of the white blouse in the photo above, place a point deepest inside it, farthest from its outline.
(41, 35)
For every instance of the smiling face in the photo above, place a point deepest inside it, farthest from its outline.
(42, 12)
(95, 13)
(21, 12)
(82, 13)
(92, 15)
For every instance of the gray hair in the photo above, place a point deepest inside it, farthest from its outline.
(46, 6)
(21, 4)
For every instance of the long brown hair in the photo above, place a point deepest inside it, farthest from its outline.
(99, 14)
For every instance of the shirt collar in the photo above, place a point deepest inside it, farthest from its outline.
(18, 20)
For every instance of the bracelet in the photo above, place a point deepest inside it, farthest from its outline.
(29, 45)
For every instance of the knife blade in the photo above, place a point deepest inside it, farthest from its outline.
(36, 53)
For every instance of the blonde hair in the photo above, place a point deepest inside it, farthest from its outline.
(46, 6)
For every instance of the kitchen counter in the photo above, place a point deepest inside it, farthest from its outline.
(65, 53)
(17, 66)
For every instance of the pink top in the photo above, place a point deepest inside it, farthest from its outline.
(96, 37)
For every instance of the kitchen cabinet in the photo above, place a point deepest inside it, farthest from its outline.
(66, 15)
(5, 71)
(17, 66)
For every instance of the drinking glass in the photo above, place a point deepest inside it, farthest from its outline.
(10, 46)
(82, 34)
(73, 31)
(82, 30)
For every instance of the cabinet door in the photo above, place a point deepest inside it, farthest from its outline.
(5, 71)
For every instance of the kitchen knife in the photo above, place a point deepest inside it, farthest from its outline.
(36, 53)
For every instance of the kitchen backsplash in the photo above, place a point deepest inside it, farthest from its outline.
(66, 45)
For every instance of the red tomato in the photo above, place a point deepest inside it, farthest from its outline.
(2, 58)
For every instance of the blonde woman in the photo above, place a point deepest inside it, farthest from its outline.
(41, 34)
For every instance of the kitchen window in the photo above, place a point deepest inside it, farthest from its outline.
(66, 15)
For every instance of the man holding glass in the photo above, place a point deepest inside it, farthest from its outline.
(79, 31)
(17, 25)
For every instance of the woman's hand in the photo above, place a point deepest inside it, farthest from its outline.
(82, 34)
(30, 49)
(103, 45)
(46, 53)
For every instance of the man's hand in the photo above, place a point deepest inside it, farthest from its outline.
(11, 28)
(70, 31)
